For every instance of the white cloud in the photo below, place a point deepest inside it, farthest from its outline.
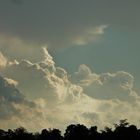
(118, 85)
(89, 35)
(58, 99)
(3, 61)
(46, 80)
(84, 76)
(48, 58)
(11, 81)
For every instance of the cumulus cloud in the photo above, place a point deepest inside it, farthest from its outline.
(10, 97)
(53, 96)
(84, 76)
(46, 80)
(118, 85)
(16, 110)
(39, 94)
(48, 60)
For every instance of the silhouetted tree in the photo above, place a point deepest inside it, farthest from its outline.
(125, 131)
(122, 131)
(76, 132)
(107, 134)
(93, 133)
(55, 134)
(2, 134)
(22, 134)
(44, 134)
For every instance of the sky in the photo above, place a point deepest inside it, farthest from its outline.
(74, 61)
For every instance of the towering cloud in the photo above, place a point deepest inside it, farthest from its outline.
(117, 85)
(51, 95)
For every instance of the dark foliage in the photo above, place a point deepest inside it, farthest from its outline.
(122, 131)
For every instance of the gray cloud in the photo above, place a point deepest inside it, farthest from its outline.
(10, 96)
(60, 23)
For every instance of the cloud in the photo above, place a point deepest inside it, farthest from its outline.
(84, 76)
(118, 85)
(90, 35)
(48, 58)
(17, 110)
(3, 61)
(62, 24)
(38, 93)
(32, 30)
(45, 78)
(29, 49)
(42, 26)
(10, 97)
(24, 49)
(53, 96)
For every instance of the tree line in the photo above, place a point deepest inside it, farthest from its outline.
(122, 131)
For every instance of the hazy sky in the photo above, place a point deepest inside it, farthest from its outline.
(91, 61)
